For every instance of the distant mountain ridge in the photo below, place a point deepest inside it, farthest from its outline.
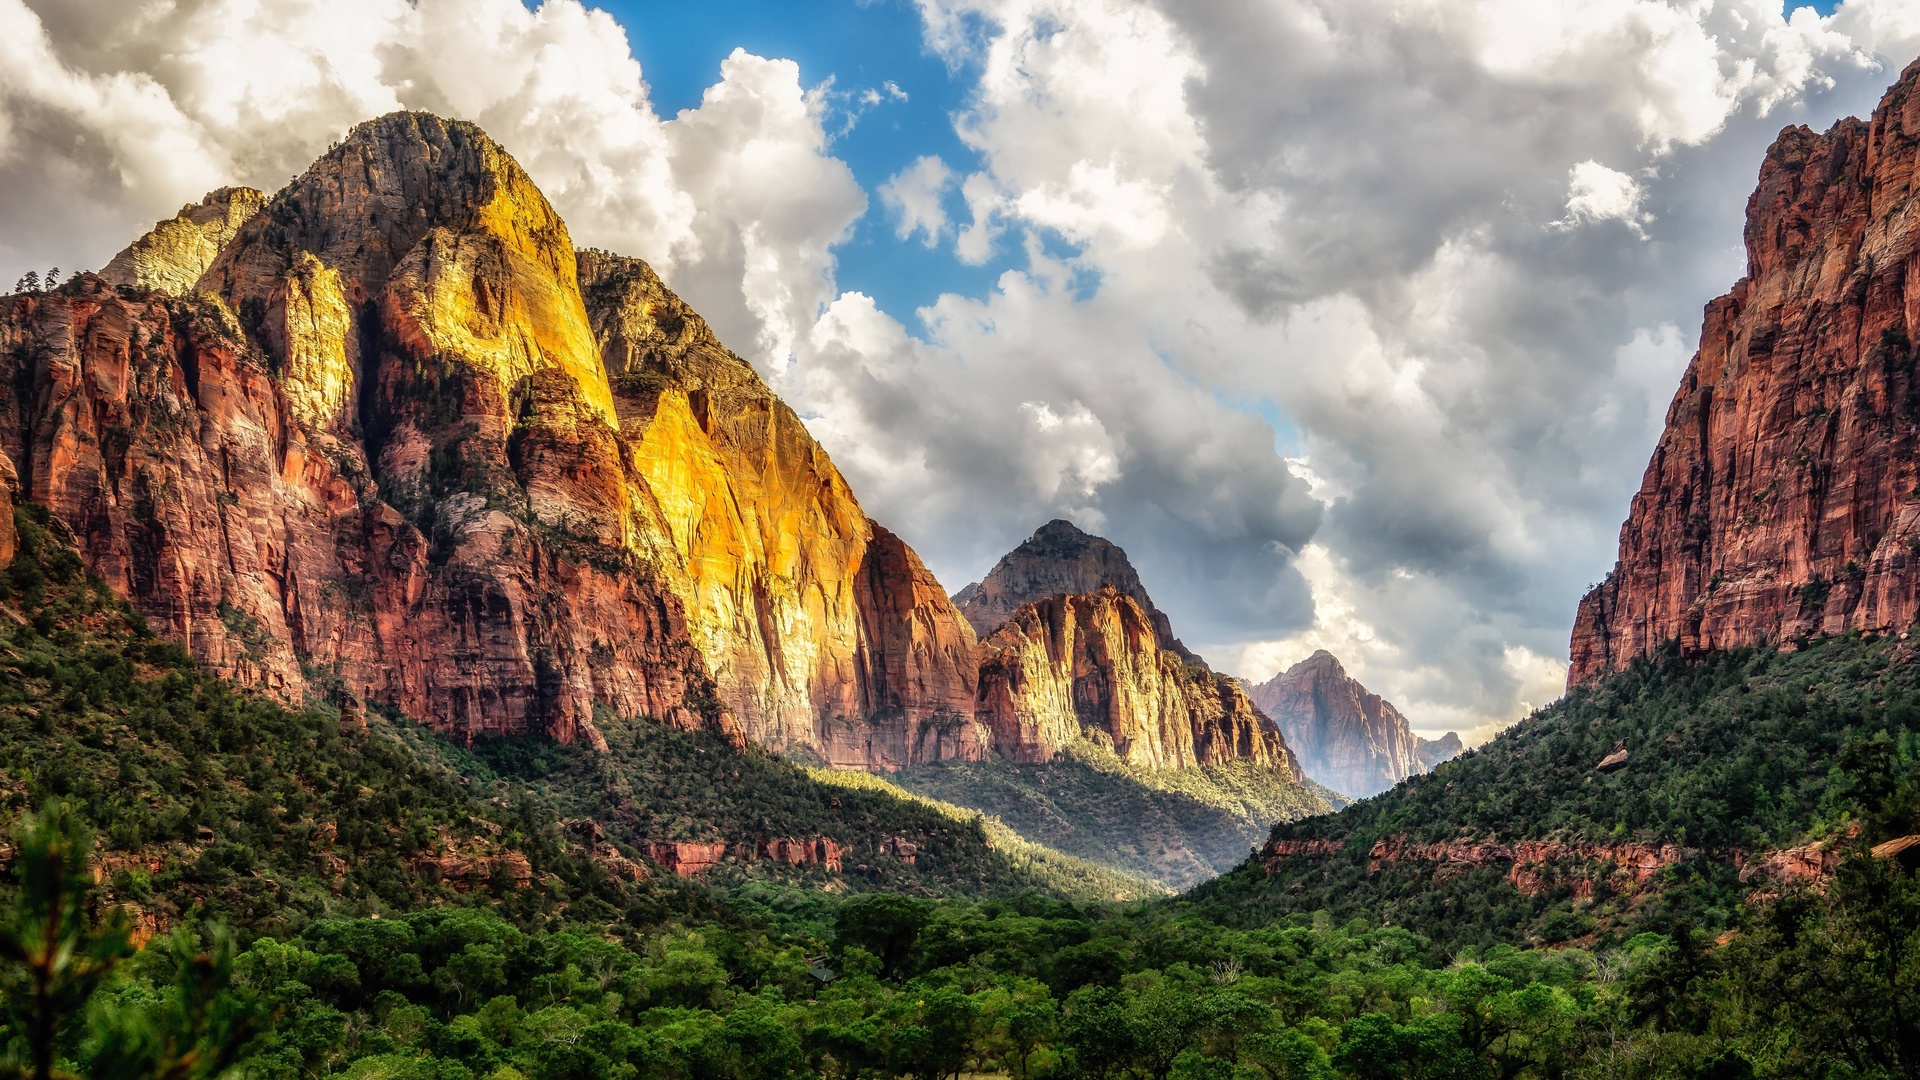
(1346, 736)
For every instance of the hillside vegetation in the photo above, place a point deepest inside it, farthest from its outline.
(1175, 826)
(1728, 757)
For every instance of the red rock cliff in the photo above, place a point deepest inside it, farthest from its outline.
(1346, 737)
(1783, 498)
(1090, 666)
(1058, 558)
(373, 451)
(824, 631)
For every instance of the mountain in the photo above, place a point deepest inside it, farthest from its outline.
(385, 440)
(1347, 737)
(1744, 692)
(1432, 752)
(1781, 499)
(1109, 739)
(1057, 559)
(383, 449)
(1073, 667)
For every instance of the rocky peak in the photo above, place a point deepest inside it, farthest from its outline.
(1346, 736)
(373, 453)
(1090, 666)
(1057, 559)
(1780, 500)
(171, 258)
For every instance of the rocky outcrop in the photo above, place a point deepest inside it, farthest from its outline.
(1091, 666)
(818, 851)
(1532, 865)
(171, 258)
(1057, 559)
(1783, 498)
(387, 436)
(1432, 752)
(374, 457)
(1345, 736)
(824, 632)
(685, 859)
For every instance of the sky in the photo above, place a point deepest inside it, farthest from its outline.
(1353, 321)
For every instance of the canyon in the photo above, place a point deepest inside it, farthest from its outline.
(1783, 498)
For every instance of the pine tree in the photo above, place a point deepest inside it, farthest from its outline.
(56, 957)
(52, 955)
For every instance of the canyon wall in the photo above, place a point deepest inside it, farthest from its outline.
(1783, 499)
(368, 439)
(1091, 666)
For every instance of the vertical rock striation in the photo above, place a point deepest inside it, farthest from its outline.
(1090, 666)
(1783, 498)
(1058, 558)
(370, 438)
(824, 631)
(1346, 736)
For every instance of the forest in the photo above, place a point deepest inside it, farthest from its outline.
(206, 884)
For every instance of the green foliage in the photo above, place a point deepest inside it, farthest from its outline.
(659, 784)
(56, 958)
(1175, 826)
(223, 804)
(1744, 751)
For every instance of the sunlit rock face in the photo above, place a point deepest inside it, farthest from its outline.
(1346, 736)
(361, 441)
(1091, 666)
(1784, 496)
(1058, 558)
(371, 455)
(824, 632)
(171, 258)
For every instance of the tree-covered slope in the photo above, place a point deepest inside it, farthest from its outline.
(1727, 757)
(226, 804)
(1175, 826)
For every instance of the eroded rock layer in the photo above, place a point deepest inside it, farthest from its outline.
(1781, 500)
(1091, 666)
(1346, 737)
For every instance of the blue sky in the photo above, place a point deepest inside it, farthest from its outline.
(859, 45)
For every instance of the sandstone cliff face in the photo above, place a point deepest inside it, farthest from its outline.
(1346, 737)
(1784, 496)
(1058, 558)
(824, 631)
(1091, 666)
(362, 441)
(376, 460)
(171, 258)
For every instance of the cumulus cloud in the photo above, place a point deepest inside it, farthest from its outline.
(916, 196)
(1597, 193)
(1383, 239)
(115, 115)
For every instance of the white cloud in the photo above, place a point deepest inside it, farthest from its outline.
(916, 196)
(1346, 210)
(1597, 193)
